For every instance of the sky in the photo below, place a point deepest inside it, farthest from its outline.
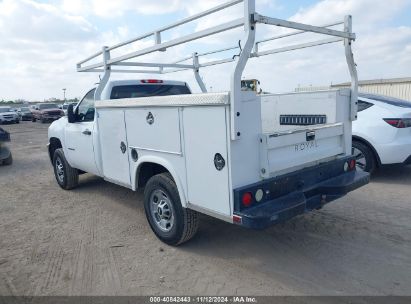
(41, 42)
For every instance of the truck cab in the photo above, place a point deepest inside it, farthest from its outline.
(79, 130)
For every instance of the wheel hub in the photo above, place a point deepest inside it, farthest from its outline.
(60, 170)
(361, 161)
(161, 210)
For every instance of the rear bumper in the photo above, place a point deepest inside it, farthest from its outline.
(302, 199)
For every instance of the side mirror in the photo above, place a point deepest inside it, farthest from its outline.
(70, 114)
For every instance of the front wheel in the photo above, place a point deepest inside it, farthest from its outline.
(364, 157)
(8, 161)
(66, 176)
(171, 223)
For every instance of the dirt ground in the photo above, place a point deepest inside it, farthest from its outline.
(95, 240)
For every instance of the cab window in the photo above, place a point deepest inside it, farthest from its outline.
(85, 111)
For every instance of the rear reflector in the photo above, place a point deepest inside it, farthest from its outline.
(247, 199)
(399, 123)
(351, 164)
(237, 219)
(151, 81)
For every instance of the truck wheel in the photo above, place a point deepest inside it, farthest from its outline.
(171, 223)
(43, 120)
(33, 119)
(66, 176)
(8, 161)
(364, 156)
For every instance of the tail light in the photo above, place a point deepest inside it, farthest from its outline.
(399, 123)
(350, 165)
(152, 81)
(247, 199)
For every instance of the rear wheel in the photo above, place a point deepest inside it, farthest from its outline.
(66, 176)
(171, 223)
(364, 156)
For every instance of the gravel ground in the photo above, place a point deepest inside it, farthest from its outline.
(95, 240)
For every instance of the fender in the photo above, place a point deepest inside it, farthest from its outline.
(56, 130)
(166, 164)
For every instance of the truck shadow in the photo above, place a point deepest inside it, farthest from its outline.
(91, 183)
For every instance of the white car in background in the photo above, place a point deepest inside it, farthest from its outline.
(382, 133)
(8, 115)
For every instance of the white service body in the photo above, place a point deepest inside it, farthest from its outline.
(189, 130)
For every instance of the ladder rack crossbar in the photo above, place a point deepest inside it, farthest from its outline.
(179, 23)
(303, 27)
(155, 65)
(296, 33)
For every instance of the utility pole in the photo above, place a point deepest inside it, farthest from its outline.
(64, 94)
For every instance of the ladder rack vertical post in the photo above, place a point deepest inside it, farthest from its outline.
(106, 76)
(196, 70)
(352, 67)
(241, 62)
(157, 40)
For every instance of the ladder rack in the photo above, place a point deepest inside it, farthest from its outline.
(248, 47)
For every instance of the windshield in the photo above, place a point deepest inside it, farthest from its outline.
(4, 110)
(387, 99)
(48, 106)
(25, 110)
(135, 91)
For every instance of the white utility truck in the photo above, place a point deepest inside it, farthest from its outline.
(248, 159)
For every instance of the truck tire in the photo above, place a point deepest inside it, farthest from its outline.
(66, 176)
(8, 161)
(171, 223)
(33, 119)
(364, 156)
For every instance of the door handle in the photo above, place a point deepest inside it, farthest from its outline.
(86, 132)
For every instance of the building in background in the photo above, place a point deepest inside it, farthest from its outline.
(395, 87)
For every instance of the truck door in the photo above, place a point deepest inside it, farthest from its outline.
(114, 146)
(79, 137)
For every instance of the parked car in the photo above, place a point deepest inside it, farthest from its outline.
(7, 115)
(382, 133)
(5, 155)
(47, 112)
(25, 113)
